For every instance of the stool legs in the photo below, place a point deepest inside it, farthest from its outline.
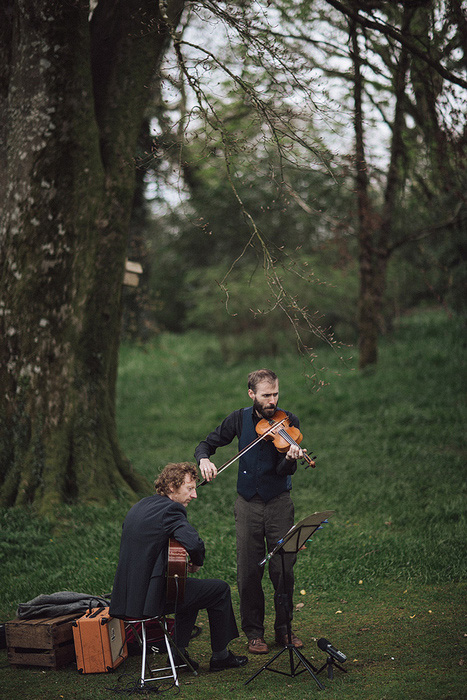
(170, 655)
(168, 640)
(170, 644)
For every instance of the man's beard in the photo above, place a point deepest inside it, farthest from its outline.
(265, 412)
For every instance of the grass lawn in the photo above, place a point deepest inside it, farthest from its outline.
(384, 581)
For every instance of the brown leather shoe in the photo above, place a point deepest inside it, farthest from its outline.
(257, 646)
(282, 640)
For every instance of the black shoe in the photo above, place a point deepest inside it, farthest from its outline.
(179, 661)
(231, 661)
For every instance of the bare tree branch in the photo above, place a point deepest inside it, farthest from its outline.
(392, 32)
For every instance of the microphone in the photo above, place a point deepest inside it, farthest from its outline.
(326, 646)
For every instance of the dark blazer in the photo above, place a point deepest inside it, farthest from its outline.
(140, 580)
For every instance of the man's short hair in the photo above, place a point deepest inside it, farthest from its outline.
(261, 375)
(173, 476)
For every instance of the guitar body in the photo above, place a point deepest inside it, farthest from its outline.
(176, 572)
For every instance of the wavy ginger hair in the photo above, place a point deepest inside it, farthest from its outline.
(173, 476)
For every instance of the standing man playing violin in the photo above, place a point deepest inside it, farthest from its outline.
(264, 510)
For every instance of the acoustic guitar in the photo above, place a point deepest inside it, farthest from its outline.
(177, 567)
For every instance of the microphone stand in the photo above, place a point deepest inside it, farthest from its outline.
(329, 663)
(292, 542)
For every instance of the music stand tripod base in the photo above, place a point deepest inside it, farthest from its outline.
(293, 651)
(292, 542)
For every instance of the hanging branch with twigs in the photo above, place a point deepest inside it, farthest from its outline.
(282, 134)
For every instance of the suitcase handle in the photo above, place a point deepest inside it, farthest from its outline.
(100, 606)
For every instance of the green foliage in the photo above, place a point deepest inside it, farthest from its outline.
(251, 311)
(233, 177)
(279, 154)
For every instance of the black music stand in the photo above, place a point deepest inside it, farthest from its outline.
(291, 543)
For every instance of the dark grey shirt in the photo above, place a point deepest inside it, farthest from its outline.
(230, 428)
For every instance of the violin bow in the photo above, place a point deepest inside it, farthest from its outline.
(245, 449)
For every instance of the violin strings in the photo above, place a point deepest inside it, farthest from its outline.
(287, 437)
(283, 433)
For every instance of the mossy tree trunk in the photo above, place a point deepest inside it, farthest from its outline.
(73, 97)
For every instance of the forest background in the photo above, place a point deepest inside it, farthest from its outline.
(319, 207)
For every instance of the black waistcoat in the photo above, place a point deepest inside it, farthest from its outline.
(257, 467)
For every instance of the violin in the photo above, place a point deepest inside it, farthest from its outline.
(285, 435)
(265, 433)
(272, 429)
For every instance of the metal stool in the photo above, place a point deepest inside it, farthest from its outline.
(170, 644)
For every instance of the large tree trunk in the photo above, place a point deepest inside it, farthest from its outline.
(75, 94)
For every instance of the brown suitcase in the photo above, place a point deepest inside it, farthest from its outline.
(100, 643)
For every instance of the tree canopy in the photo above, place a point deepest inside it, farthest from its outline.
(373, 98)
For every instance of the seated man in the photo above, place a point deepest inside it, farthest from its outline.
(139, 588)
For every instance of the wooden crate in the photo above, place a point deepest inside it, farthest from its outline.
(46, 641)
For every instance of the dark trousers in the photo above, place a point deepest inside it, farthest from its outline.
(214, 596)
(259, 524)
